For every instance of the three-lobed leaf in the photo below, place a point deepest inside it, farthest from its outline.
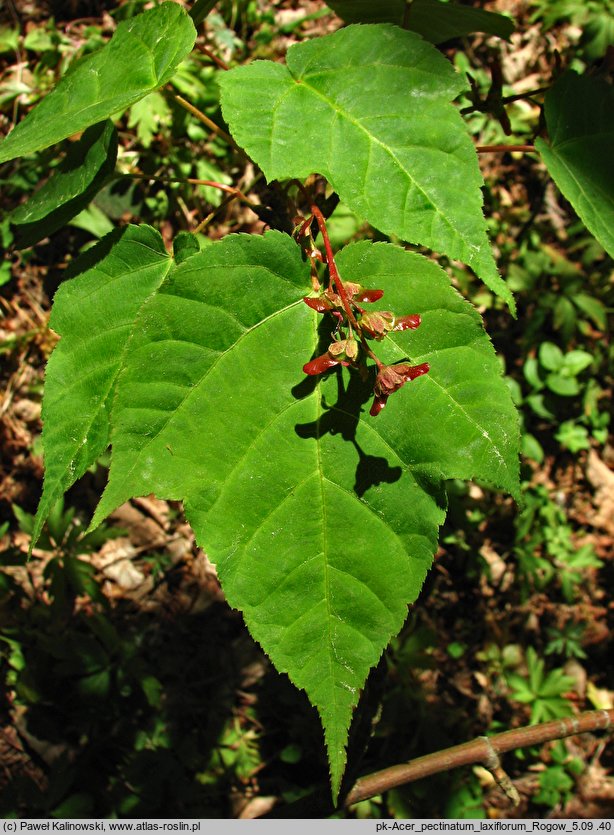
(141, 56)
(321, 519)
(369, 108)
(436, 21)
(578, 154)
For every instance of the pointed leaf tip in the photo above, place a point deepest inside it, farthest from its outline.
(142, 56)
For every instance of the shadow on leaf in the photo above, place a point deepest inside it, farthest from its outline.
(341, 418)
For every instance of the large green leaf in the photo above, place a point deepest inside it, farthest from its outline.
(322, 520)
(580, 121)
(434, 20)
(141, 56)
(77, 180)
(369, 108)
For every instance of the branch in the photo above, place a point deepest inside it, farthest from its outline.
(231, 196)
(189, 181)
(483, 105)
(480, 750)
(491, 149)
(213, 57)
(202, 117)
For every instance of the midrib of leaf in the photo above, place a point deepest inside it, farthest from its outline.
(594, 183)
(376, 141)
(241, 459)
(102, 510)
(95, 104)
(152, 62)
(320, 473)
(337, 486)
(76, 382)
(369, 509)
(321, 479)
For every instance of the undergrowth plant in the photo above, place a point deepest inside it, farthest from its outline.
(306, 405)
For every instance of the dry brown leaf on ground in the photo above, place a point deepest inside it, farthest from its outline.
(602, 479)
(16, 761)
(595, 796)
(115, 561)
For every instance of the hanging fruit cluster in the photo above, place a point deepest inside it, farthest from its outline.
(355, 326)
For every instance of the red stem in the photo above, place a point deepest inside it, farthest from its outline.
(332, 267)
(213, 184)
(215, 58)
(490, 149)
(336, 279)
